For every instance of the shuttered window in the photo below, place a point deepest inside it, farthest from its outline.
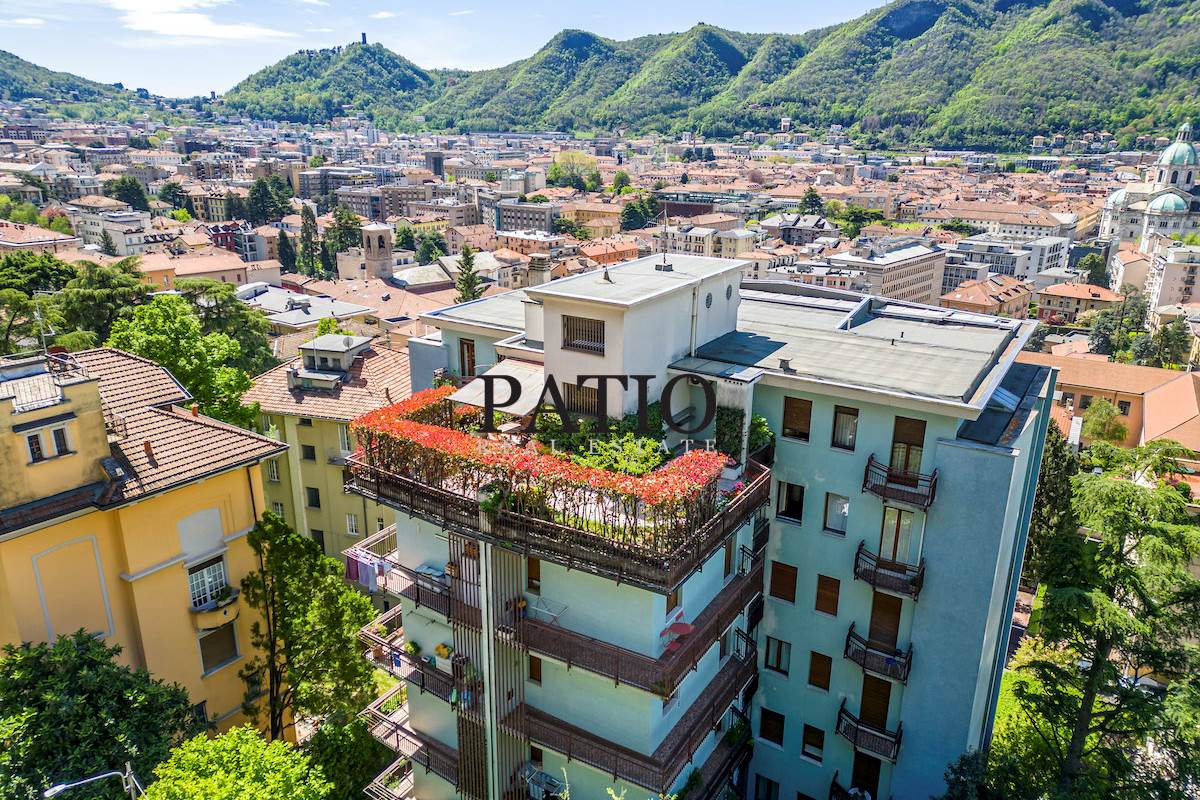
(783, 581)
(535, 669)
(820, 666)
(581, 333)
(827, 594)
(797, 418)
(770, 726)
(814, 743)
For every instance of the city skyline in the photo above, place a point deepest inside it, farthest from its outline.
(153, 45)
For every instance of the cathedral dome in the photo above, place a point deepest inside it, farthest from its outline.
(1167, 204)
(1116, 199)
(1178, 154)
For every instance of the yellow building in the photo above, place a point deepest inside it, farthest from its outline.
(309, 403)
(125, 514)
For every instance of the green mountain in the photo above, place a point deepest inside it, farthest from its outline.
(20, 79)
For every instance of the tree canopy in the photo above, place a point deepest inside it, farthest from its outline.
(468, 283)
(220, 311)
(128, 190)
(101, 294)
(69, 710)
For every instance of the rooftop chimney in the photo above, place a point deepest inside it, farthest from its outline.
(195, 409)
(149, 449)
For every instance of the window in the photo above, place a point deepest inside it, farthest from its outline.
(352, 525)
(535, 756)
(827, 594)
(581, 399)
(305, 422)
(308, 452)
(783, 581)
(770, 726)
(797, 418)
(535, 669)
(1068, 398)
(1122, 406)
(837, 511)
(729, 549)
(379, 524)
(813, 744)
(206, 580)
(344, 438)
(312, 497)
(765, 788)
(466, 357)
(674, 598)
(778, 657)
(273, 471)
(791, 501)
(61, 446)
(845, 427)
(533, 575)
(200, 712)
(277, 508)
(1085, 400)
(580, 333)
(318, 536)
(218, 647)
(34, 442)
(820, 666)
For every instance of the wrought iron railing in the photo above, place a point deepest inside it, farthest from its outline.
(873, 657)
(914, 488)
(868, 738)
(892, 576)
(393, 731)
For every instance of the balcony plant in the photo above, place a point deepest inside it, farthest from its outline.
(412, 648)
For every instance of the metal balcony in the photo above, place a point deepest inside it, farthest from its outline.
(874, 658)
(392, 730)
(912, 488)
(869, 739)
(888, 575)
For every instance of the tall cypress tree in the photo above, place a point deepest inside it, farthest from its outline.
(287, 253)
(308, 257)
(468, 284)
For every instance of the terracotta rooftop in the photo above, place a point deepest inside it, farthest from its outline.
(1082, 291)
(15, 233)
(378, 377)
(1093, 374)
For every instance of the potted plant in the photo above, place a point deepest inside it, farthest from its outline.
(412, 648)
(377, 651)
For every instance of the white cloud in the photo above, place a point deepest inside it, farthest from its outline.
(183, 19)
(383, 15)
(462, 13)
(24, 22)
(313, 2)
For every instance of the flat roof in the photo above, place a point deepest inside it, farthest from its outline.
(636, 281)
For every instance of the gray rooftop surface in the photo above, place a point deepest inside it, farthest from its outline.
(635, 281)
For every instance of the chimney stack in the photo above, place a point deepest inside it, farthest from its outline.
(149, 449)
(195, 409)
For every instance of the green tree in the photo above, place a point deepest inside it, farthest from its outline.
(308, 259)
(569, 168)
(101, 294)
(639, 213)
(1096, 270)
(329, 325)
(1102, 423)
(69, 710)
(1168, 345)
(181, 215)
(107, 246)
(593, 181)
(620, 181)
(405, 239)
(220, 311)
(1037, 339)
(25, 213)
(305, 639)
(812, 203)
(128, 190)
(959, 226)
(490, 176)
(260, 203)
(468, 283)
(1053, 517)
(167, 331)
(17, 321)
(345, 232)
(28, 272)
(347, 755)
(172, 193)
(287, 254)
(328, 261)
(235, 206)
(316, 161)
(428, 250)
(238, 765)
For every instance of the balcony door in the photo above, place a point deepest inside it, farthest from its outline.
(866, 773)
(908, 442)
(466, 357)
(885, 620)
(896, 535)
(876, 696)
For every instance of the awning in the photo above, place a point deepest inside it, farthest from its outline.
(531, 377)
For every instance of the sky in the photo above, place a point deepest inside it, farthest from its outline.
(187, 47)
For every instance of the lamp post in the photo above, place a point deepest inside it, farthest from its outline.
(129, 783)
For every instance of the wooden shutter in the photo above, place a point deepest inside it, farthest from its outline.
(909, 431)
(797, 417)
(770, 725)
(535, 669)
(876, 695)
(865, 774)
(783, 581)
(885, 619)
(827, 594)
(819, 668)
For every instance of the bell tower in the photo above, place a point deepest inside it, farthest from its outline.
(377, 250)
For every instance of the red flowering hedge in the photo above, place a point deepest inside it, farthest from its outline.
(674, 499)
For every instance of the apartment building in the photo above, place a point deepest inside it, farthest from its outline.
(1064, 302)
(999, 295)
(324, 180)
(902, 268)
(124, 512)
(1004, 219)
(702, 241)
(1171, 279)
(558, 637)
(799, 228)
(480, 237)
(528, 242)
(19, 236)
(514, 215)
(309, 403)
(455, 211)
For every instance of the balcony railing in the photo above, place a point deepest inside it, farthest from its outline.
(891, 576)
(393, 731)
(645, 565)
(385, 640)
(660, 675)
(731, 754)
(658, 771)
(885, 662)
(394, 783)
(869, 739)
(914, 488)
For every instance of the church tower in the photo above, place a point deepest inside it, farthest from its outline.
(1178, 166)
(377, 250)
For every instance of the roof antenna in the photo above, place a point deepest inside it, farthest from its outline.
(607, 277)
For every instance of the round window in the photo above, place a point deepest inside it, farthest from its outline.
(708, 300)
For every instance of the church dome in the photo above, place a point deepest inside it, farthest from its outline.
(1178, 154)
(1116, 199)
(1167, 204)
